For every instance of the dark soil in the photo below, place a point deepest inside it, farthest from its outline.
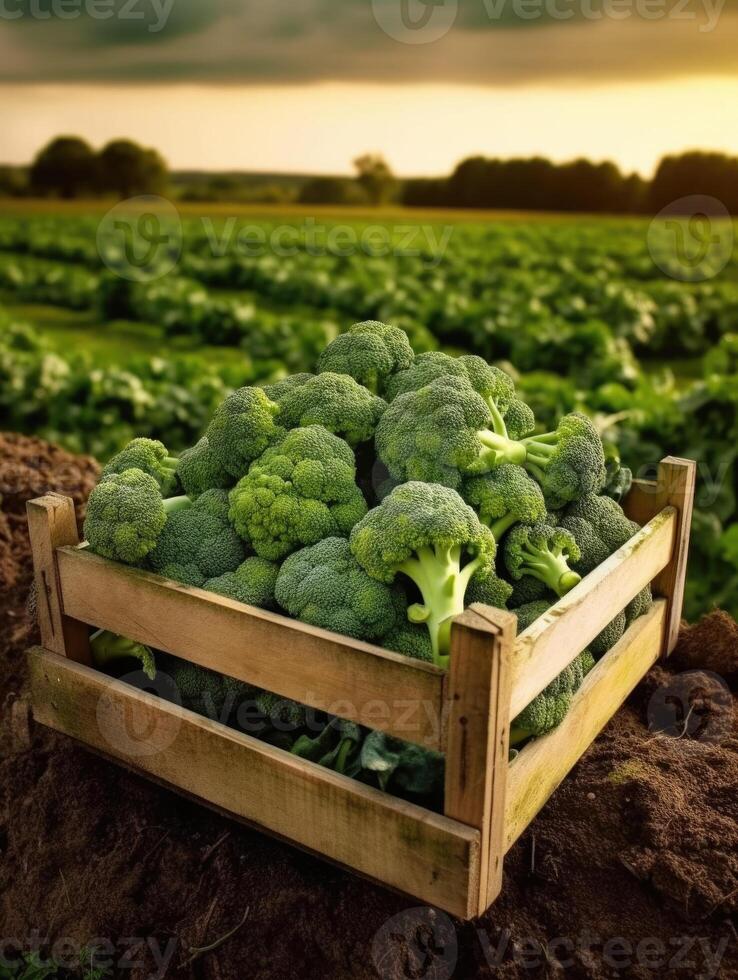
(631, 870)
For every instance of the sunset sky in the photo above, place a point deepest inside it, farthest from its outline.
(306, 85)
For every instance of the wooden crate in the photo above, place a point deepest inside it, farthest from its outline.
(453, 860)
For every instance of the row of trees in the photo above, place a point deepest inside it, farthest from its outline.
(69, 167)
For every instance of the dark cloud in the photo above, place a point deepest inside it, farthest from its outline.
(297, 41)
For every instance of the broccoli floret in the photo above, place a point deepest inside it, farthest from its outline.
(243, 426)
(425, 532)
(505, 496)
(525, 591)
(148, 455)
(543, 552)
(324, 585)
(488, 588)
(549, 708)
(609, 636)
(278, 389)
(442, 432)
(253, 582)
(198, 543)
(410, 640)
(205, 691)
(336, 402)
(568, 462)
(282, 713)
(619, 478)
(639, 605)
(298, 492)
(126, 514)
(198, 470)
(109, 648)
(370, 352)
(519, 419)
(599, 526)
(529, 612)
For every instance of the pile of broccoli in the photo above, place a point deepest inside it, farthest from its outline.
(377, 497)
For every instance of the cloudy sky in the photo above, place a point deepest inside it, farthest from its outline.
(308, 84)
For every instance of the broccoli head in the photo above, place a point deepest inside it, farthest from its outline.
(242, 428)
(253, 583)
(503, 497)
(370, 352)
(519, 419)
(568, 462)
(148, 455)
(525, 591)
(297, 492)
(336, 402)
(324, 585)
(198, 470)
(599, 526)
(410, 640)
(126, 514)
(205, 691)
(543, 552)
(608, 637)
(488, 588)
(427, 533)
(443, 432)
(198, 543)
(278, 389)
(639, 605)
(549, 708)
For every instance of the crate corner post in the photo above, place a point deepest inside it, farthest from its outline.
(52, 524)
(476, 737)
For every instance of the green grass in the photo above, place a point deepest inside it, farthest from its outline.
(112, 342)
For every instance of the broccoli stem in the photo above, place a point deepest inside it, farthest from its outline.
(550, 567)
(501, 525)
(442, 582)
(518, 735)
(173, 504)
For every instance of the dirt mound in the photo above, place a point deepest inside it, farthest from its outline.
(631, 869)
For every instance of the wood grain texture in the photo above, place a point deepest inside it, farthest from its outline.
(316, 667)
(542, 765)
(477, 694)
(550, 643)
(398, 843)
(52, 524)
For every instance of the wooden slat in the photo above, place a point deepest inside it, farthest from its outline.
(550, 643)
(477, 693)
(640, 503)
(316, 667)
(542, 765)
(398, 843)
(51, 524)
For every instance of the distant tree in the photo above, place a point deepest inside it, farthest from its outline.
(332, 190)
(127, 169)
(66, 167)
(710, 174)
(374, 175)
(13, 182)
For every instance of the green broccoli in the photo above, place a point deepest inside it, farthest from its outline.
(370, 352)
(253, 583)
(298, 492)
(425, 531)
(278, 389)
(568, 462)
(148, 455)
(198, 470)
(243, 426)
(282, 713)
(126, 514)
(503, 497)
(204, 691)
(496, 387)
(608, 637)
(336, 402)
(324, 585)
(198, 543)
(488, 588)
(519, 419)
(410, 640)
(441, 433)
(599, 526)
(639, 605)
(526, 590)
(109, 648)
(543, 552)
(549, 708)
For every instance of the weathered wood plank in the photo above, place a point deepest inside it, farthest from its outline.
(543, 650)
(316, 667)
(398, 843)
(477, 694)
(542, 765)
(51, 524)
